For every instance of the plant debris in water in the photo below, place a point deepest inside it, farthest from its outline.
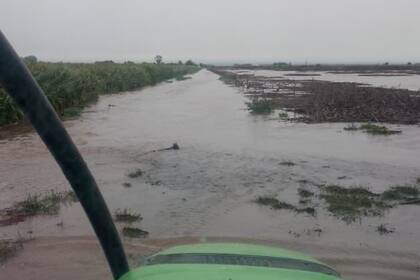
(134, 232)
(9, 249)
(126, 216)
(349, 204)
(352, 203)
(47, 204)
(373, 129)
(276, 204)
(260, 106)
(384, 229)
(287, 163)
(136, 173)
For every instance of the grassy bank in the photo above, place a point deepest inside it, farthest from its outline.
(71, 86)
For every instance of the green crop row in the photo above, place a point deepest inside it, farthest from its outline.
(74, 85)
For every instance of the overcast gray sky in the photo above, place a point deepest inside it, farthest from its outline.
(215, 30)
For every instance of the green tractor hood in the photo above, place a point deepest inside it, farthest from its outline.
(230, 261)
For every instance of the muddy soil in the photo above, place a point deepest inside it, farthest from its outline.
(226, 159)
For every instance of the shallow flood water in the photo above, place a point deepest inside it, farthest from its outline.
(227, 158)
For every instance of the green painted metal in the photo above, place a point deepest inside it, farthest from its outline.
(227, 271)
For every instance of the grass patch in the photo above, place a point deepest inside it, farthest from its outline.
(9, 249)
(134, 232)
(260, 106)
(352, 203)
(276, 204)
(136, 173)
(47, 204)
(373, 129)
(401, 193)
(378, 129)
(126, 216)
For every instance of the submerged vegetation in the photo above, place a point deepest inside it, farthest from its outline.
(47, 204)
(349, 204)
(373, 129)
(126, 216)
(133, 232)
(276, 204)
(71, 86)
(260, 106)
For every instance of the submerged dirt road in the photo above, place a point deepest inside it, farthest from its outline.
(227, 159)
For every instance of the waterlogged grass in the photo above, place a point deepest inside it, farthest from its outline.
(355, 202)
(352, 203)
(46, 204)
(401, 193)
(378, 129)
(276, 204)
(260, 106)
(74, 85)
(373, 129)
(133, 232)
(126, 216)
(349, 204)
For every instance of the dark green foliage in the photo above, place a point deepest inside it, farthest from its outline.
(74, 85)
(260, 106)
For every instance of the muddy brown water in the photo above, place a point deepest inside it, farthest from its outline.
(227, 158)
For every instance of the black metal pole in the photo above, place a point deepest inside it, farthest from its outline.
(21, 86)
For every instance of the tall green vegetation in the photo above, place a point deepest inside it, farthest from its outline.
(73, 85)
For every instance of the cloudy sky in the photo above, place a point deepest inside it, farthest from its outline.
(215, 30)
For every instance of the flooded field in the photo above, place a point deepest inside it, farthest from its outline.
(227, 159)
(404, 81)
